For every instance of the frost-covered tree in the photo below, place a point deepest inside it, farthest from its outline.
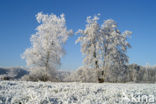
(90, 43)
(115, 47)
(47, 43)
(104, 46)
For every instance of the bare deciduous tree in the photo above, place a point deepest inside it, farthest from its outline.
(47, 44)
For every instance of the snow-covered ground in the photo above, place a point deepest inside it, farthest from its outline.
(21, 92)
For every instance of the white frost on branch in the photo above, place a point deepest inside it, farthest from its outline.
(103, 45)
(47, 43)
(90, 42)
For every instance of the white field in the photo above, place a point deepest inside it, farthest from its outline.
(22, 92)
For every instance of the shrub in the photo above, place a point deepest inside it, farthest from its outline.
(38, 75)
(82, 74)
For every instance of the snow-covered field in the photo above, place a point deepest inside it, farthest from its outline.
(21, 92)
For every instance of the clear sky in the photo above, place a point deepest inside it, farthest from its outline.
(18, 23)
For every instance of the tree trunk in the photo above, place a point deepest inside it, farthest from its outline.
(46, 66)
(96, 67)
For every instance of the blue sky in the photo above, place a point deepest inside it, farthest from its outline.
(18, 23)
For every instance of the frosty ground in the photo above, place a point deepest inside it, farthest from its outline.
(22, 92)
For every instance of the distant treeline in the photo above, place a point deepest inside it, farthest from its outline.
(132, 73)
